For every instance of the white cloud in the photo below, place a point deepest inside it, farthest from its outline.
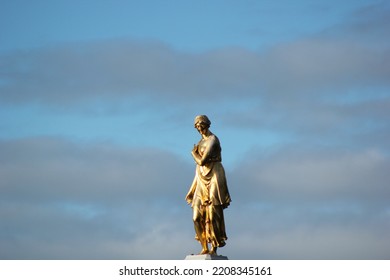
(55, 169)
(62, 200)
(116, 69)
(320, 175)
(310, 242)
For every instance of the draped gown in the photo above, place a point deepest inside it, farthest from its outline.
(209, 194)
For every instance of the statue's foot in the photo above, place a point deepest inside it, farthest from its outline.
(204, 252)
(213, 251)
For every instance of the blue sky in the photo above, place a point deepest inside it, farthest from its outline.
(97, 101)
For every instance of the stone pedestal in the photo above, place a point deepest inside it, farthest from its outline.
(206, 257)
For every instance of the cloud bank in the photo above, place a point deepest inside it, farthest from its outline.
(98, 202)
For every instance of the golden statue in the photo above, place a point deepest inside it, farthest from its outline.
(208, 194)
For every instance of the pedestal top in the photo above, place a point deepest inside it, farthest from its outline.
(206, 257)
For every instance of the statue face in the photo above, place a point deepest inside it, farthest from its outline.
(201, 127)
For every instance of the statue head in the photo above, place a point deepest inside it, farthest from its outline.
(202, 124)
(203, 120)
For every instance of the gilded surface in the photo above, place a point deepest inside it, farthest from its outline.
(208, 194)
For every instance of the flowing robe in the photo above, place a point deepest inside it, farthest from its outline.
(209, 194)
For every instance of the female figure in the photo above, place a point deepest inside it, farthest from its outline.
(208, 194)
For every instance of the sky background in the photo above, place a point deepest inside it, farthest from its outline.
(97, 101)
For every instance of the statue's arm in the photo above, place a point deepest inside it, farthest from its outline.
(202, 160)
(197, 157)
